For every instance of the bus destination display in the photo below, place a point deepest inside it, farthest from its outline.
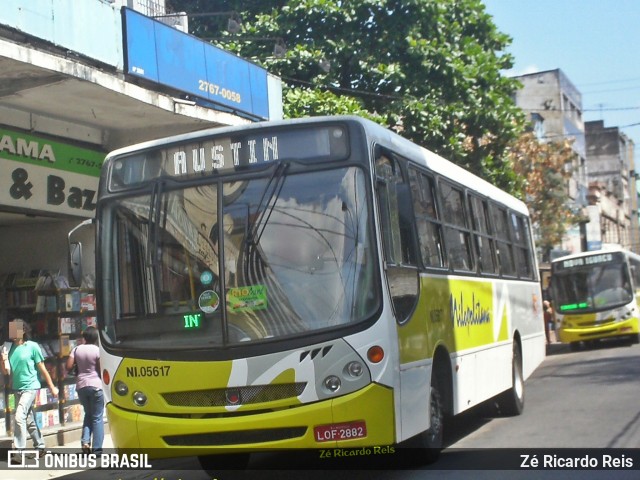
(217, 155)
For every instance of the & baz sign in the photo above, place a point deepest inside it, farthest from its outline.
(39, 174)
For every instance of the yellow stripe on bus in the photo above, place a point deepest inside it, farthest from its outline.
(463, 314)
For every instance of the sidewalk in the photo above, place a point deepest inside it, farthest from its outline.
(69, 434)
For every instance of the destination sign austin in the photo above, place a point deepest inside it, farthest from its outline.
(221, 155)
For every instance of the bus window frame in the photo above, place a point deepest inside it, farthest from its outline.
(454, 227)
(399, 167)
(403, 270)
(422, 175)
(493, 236)
(524, 247)
(488, 235)
(503, 237)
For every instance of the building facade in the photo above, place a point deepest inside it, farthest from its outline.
(612, 184)
(79, 79)
(603, 186)
(554, 107)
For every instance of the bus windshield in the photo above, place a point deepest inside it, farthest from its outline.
(592, 287)
(239, 261)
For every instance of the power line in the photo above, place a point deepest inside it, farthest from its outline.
(606, 82)
(582, 134)
(613, 90)
(400, 97)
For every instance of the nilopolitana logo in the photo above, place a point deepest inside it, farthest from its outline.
(23, 459)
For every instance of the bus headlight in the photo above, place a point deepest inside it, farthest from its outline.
(121, 388)
(140, 399)
(354, 369)
(332, 384)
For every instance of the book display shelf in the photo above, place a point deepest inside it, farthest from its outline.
(57, 317)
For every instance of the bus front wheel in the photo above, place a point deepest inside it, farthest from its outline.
(429, 443)
(511, 402)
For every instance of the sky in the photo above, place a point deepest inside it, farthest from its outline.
(596, 43)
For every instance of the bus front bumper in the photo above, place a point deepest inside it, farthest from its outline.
(363, 418)
(609, 330)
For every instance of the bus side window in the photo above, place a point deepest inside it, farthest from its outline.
(457, 235)
(503, 244)
(396, 217)
(522, 246)
(484, 244)
(635, 272)
(427, 223)
(395, 203)
(388, 209)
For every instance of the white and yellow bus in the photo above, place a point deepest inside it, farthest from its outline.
(595, 296)
(317, 283)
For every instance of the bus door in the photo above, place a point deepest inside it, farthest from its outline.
(400, 260)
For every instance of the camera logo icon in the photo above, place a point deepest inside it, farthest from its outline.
(23, 459)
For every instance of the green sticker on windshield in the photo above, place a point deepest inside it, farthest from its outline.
(247, 299)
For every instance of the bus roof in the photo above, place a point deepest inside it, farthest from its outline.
(375, 134)
(607, 249)
(441, 165)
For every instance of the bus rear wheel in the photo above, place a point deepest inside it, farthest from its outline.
(511, 401)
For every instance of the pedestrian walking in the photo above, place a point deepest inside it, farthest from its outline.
(89, 388)
(24, 361)
(548, 320)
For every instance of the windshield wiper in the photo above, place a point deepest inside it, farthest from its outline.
(270, 195)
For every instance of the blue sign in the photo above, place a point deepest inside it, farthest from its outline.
(161, 54)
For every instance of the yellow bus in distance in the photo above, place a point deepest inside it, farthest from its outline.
(595, 296)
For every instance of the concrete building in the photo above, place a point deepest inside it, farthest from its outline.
(612, 184)
(603, 185)
(554, 106)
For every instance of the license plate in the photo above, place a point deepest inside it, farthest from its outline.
(340, 431)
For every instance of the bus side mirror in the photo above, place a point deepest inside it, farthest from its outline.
(75, 256)
(75, 263)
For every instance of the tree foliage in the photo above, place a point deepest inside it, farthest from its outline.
(429, 69)
(543, 168)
